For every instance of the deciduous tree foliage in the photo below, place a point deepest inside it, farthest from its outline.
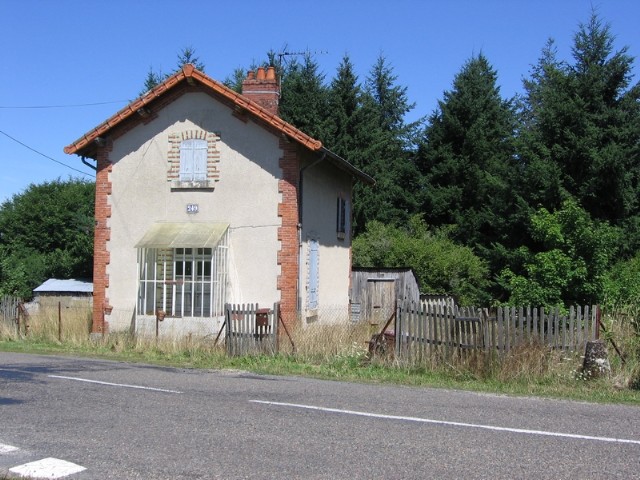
(46, 231)
(441, 265)
(570, 262)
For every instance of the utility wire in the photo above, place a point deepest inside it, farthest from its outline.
(45, 156)
(61, 106)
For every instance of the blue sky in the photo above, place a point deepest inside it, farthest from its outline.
(60, 54)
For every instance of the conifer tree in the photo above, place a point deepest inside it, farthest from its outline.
(344, 106)
(383, 143)
(582, 121)
(156, 77)
(304, 97)
(467, 158)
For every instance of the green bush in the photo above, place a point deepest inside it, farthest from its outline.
(440, 265)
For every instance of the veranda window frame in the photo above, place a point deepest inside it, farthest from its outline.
(160, 288)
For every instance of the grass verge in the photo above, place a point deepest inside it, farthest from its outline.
(340, 353)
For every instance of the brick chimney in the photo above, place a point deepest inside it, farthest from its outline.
(262, 88)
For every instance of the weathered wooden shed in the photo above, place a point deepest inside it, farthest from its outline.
(374, 292)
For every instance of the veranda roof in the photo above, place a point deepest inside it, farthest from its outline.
(183, 235)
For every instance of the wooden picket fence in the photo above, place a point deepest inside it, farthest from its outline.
(250, 330)
(425, 329)
(11, 311)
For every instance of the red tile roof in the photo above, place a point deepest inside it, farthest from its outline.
(189, 73)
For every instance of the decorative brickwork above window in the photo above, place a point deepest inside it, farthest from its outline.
(193, 160)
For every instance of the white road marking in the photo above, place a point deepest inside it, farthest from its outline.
(47, 468)
(455, 424)
(7, 448)
(114, 384)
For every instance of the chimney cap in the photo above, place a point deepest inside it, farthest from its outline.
(260, 75)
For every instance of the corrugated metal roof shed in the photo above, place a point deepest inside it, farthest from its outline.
(54, 285)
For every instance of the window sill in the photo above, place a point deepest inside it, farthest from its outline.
(193, 185)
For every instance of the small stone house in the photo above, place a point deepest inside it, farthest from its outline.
(205, 197)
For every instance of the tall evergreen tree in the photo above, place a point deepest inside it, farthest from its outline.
(188, 55)
(304, 97)
(384, 142)
(584, 118)
(540, 176)
(344, 107)
(467, 159)
(156, 77)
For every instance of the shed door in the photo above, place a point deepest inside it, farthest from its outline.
(381, 296)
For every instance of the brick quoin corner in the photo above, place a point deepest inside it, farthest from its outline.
(101, 237)
(288, 233)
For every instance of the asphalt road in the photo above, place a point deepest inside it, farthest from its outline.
(127, 421)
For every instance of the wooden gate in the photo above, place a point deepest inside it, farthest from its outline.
(251, 330)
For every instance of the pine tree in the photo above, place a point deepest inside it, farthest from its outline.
(584, 119)
(156, 77)
(540, 176)
(304, 98)
(344, 107)
(467, 159)
(383, 143)
(188, 55)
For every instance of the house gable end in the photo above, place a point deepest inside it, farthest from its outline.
(142, 111)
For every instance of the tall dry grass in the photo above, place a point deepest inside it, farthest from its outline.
(623, 344)
(67, 325)
(344, 346)
(322, 342)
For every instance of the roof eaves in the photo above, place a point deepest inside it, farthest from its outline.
(188, 71)
(345, 165)
(125, 113)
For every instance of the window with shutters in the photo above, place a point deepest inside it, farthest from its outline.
(193, 160)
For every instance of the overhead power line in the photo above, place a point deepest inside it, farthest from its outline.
(45, 156)
(61, 106)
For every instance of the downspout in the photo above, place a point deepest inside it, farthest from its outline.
(300, 184)
(92, 167)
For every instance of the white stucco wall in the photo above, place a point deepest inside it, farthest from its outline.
(246, 196)
(322, 184)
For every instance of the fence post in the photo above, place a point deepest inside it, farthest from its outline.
(18, 319)
(60, 321)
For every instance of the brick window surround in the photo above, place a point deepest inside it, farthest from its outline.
(213, 159)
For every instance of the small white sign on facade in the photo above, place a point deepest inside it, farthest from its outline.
(192, 208)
